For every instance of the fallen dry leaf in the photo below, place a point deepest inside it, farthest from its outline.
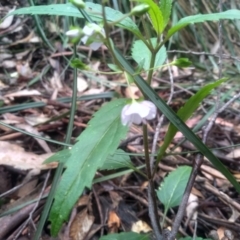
(16, 157)
(141, 226)
(190, 123)
(234, 154)
(132, 91)
(82, 84)
(56, 81)
(24, 70)
(191, 207)
(41, 142)
(113, 222)
(7, 21)
(81, 225)
(23, 93)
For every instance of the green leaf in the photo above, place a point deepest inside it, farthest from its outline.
(142, 55)
(230, 14)
(185, 112)
(93, 10)
(166, 7)
(182, 62)
(114, 67)
(99, 140)
(119, 159)
(125, 235)
(171, 115)
(61, 156)
(155, 15)
(171, 191)
(77, 63)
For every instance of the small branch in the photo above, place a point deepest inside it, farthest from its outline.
(153, 213)
(183, 205)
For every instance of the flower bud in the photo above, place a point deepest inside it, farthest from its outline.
(78, 3)
(141, 9)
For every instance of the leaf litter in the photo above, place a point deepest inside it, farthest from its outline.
(115, 205)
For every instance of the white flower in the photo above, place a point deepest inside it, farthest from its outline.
(73, 33)
(138, 112)
(94, 36)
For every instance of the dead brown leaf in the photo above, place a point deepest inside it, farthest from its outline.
(81, 225)
(141, 227)
(16, 157)
(234, 154)
(113, 222)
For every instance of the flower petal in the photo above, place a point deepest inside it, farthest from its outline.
(88, 30)
(95, 45)
(84, 39)
(73, 33)
(152, 110)
(136, 118)
(137, 112)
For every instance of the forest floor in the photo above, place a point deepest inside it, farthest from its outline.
(36, 88)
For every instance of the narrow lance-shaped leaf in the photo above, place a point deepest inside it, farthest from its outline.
(185, 112)
(100, 139)
(172, 117)
(93, 10)
(155, 15)
(166, 7)
(229, 14)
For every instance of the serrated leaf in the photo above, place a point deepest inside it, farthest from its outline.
(99, 140)
(119, 159)
(125, 235)
(155, 15)
(166, 7)
(186, 111)
(230, 14)
(171, 190)
(61, 156)
(142, 55)
(93, 10)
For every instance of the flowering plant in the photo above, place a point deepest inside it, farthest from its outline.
(138, 112)
(111, 123)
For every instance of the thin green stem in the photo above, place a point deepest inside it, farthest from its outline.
(151, 67)
(60, 167)
(108, 40)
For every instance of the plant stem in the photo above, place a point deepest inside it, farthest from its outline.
(184, 202)
(153, 213)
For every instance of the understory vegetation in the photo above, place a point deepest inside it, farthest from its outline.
(120, 120)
